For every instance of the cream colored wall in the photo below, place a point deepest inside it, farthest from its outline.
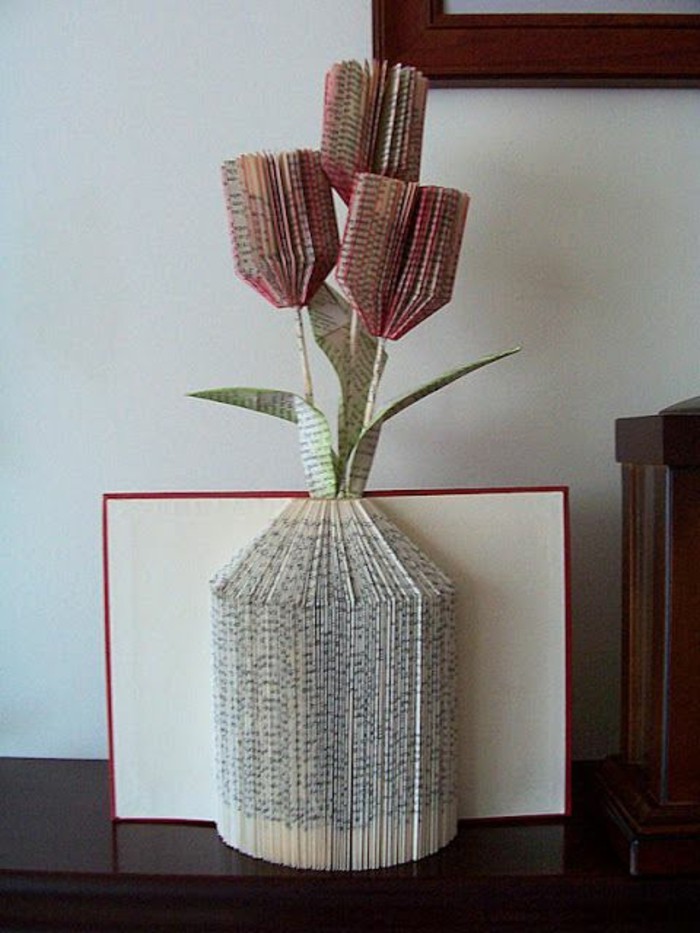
(118, 298)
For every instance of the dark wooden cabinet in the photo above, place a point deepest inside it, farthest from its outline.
(651, 791)
(64, 866)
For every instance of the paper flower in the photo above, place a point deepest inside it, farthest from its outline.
(396, 264)
(373, 120)
(282, 221)
(399, 253)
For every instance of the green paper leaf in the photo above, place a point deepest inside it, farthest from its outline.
(362, 455)
(331, 321)
(317, 454)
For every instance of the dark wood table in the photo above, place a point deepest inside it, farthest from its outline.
(64, 867)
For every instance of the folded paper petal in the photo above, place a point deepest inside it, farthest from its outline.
(373, 121)
(399, 254)
(282, 223)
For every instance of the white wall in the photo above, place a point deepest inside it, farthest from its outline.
(118, 297)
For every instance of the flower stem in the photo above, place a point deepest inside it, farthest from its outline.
(374, 382)
(305, 368)
(354, 336)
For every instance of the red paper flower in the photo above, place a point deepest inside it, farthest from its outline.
(373, 120)
(398, 258)
(282, 221)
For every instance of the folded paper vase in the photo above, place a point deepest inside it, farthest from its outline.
(334, 673)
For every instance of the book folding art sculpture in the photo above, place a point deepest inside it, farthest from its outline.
(334, 662)
(333, 634)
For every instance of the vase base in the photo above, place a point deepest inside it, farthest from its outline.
(326, 847)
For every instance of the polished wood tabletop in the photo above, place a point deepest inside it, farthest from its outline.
(64, 865)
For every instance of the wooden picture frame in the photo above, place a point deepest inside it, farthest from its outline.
(530, 50)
